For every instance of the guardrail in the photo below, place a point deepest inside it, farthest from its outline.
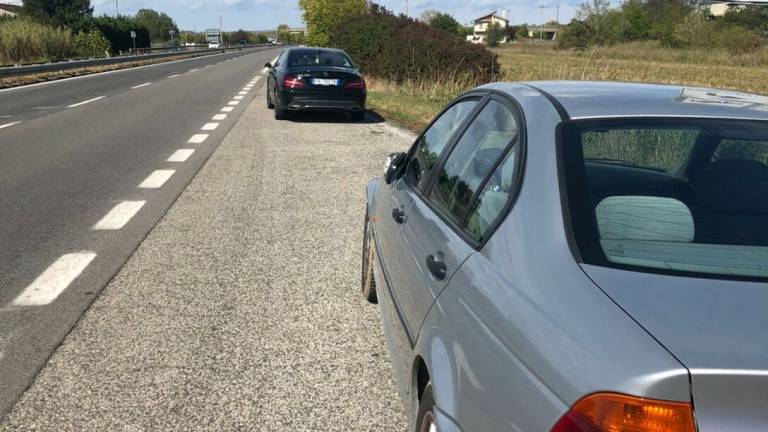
(9, 71)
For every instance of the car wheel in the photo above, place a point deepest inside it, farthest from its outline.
(358, 116)
(425, 421)
(270, 104)
(368, 283)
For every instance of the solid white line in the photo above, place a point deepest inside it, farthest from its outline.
(173, 76)
(55, 279)
(156, 179)
(209, 126)
(193, 70)
(243, 93)
(141, 85)
(85, 102)
(238, 97)
(7, 125)
(227, 109)
(233, 102)
(119, 215)
(198, 138)
(219, 117)
(181, 155)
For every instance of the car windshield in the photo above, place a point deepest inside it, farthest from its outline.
(680, 196)
(309, 58)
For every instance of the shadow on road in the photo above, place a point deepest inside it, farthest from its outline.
(332, 117)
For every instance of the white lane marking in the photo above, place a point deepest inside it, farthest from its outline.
(7, 125)
(238, 97)
(233, 102)
(156, 179)
(227, 109)
(247, 88)
(45, 107)
(219, 117)
(55, 279)
(173, 76)
(209, 126)
(181, 155)
(120, 215)
(198, 138)
(141, 85)
(243, 93)
(85, 102)
(193, 70)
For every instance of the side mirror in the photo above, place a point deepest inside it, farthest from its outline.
(393, 166)
(268, 65)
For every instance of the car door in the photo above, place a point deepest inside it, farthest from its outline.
(442, 228)
(273, 72)
(396, 199)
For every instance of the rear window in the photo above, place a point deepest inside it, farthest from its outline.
(310, 58)
(679, 196)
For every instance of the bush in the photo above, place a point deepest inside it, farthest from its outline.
(578, 34)
(25, 41)
(117, 31)
(92, 44)
(403, 50)
(740, 41)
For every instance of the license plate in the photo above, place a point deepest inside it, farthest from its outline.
(325, 82)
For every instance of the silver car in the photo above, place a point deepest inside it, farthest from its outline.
(578, 257)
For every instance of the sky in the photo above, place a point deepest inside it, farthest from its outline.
(267, 14)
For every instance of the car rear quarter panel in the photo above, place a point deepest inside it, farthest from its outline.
(521, 333)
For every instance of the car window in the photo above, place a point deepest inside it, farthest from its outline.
(430, 146)
(494, 197)
(714, 223)
(661, 149)
(299, 58)
(472, 159)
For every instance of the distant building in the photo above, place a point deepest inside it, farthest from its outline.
(480, 29)
(9, 9)
(546, 32)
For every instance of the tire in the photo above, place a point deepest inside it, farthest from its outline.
(367, 282)
(357, 116)
(426, 415)
(270, 104)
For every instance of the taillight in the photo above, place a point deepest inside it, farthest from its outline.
(355, 84)
(610, 412)
(292, 82)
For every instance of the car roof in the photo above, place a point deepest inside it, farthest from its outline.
(606, 99)
(311, 48)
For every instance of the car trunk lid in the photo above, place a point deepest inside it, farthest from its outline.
(325, 78)
(716, 328)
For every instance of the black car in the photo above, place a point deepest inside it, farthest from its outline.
(315, 79)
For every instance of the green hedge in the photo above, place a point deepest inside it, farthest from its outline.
(400, 49)
(117, 31)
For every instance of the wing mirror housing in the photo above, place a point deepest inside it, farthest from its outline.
(393, 167)
(268, 65)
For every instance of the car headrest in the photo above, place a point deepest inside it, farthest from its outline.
(733, 185)
(645, 218)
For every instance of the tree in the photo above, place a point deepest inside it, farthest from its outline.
(240, 36)
(57, 12)
(445, 22)
(158, 24)
(322, 16)
(283, 33)
(494, 35)
(752, 17)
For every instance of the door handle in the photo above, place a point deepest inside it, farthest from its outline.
(398, 215)
(436, 266)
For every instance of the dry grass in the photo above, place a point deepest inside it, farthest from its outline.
(414, 105)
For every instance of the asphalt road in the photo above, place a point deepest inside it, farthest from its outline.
(87, 167)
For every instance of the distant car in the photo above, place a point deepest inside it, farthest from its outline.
(578, 256)
(213, 45)
(315, 79)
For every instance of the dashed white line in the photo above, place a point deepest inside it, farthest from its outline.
(156, 179)
(238, 97)
(209, 126)
(198, 138)
(193, 70)
(247, 88)
(227, 109)
(219, 117)
(173, 76)
(243, 93)
(55, 279)
(7, 125)
(119, 215)
(233, 102)
(85, 102)
(181, 155)
(141, 85)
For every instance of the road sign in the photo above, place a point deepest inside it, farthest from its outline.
(133, 34)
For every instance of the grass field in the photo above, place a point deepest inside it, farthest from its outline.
(413, 105)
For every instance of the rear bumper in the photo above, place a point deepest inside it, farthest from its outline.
(329, 102)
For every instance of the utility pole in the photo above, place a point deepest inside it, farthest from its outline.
(541, 29)
(406, 7)
(221, 33)
(558, 13)
(117, 8)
